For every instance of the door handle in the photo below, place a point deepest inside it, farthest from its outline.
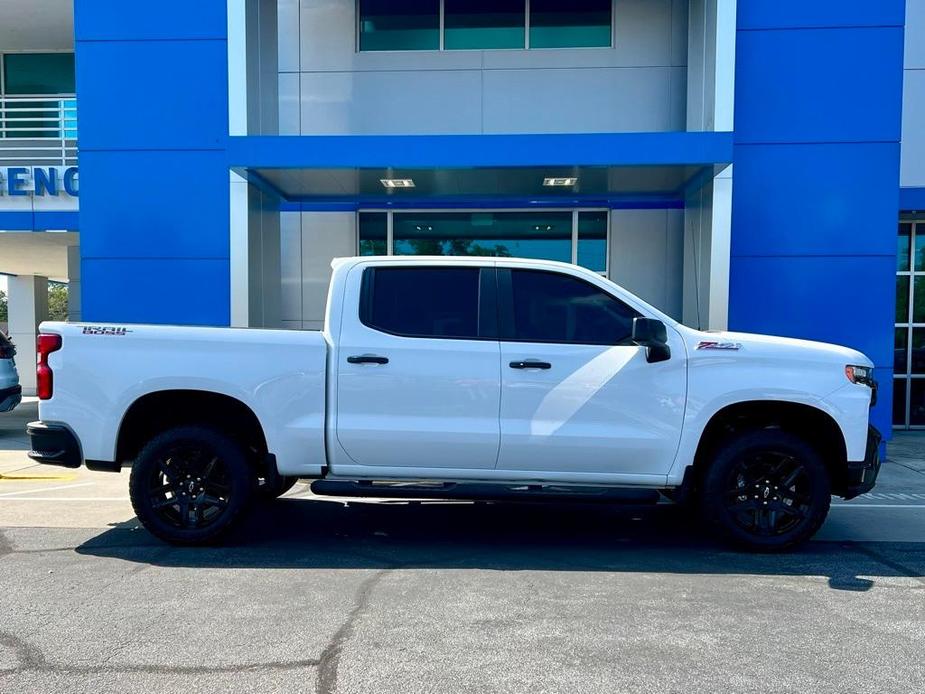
(530, 364)
(367, 359)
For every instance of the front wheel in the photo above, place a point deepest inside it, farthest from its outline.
(190, 484)
(766, 490)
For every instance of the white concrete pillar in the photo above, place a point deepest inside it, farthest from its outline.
(707, 247)
(255, 256)
(28, 306)
(73, 283)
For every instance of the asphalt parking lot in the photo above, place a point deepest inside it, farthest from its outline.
(327, 596)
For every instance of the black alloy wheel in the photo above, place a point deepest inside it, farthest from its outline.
(189, 484)
(766, 490)
(188, 488)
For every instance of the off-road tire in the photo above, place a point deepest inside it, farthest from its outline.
(742, 487)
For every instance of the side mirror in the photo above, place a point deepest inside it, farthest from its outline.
(652, 334)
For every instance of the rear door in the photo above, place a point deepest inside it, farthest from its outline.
(577, 395)
(418, 372)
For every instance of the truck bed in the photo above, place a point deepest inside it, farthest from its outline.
(279, 374)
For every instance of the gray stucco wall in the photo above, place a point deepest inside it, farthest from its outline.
(309, 241)
(327, 87)
(647, 256)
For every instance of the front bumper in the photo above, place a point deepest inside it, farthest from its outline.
(10, 398)
(54, 444)
(861, 476)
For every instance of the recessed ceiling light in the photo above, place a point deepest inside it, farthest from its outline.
(397, 182)
(563, 181)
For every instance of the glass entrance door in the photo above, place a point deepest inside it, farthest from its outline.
(570, 236)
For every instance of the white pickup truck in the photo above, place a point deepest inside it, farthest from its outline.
(474, 378)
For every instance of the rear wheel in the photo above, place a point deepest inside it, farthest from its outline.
(188, 485)
(766, 490)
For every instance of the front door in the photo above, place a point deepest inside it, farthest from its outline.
(577, 396)
(418, 372)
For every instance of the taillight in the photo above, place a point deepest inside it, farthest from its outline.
(45, 345)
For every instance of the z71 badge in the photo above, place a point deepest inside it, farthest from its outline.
(708, 344)
(104, 330)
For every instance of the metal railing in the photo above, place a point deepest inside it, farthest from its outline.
(38, 130)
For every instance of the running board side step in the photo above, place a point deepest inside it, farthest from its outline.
(475, 491)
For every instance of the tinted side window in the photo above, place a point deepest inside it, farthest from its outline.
(422, 301)
(552, 307)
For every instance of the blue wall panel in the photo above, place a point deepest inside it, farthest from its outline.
(777, 14)
(911, 199)
(847, 300)
(819, 199)
(163, 290)
(816, 183)
(463, 151)
(177, 204)
(827, 85)
(152, 94)
(108, 20)
(153, 89)
(43, 220)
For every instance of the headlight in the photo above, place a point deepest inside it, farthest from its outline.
(860, 374)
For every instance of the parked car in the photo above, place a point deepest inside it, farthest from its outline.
(10, 390)
(475, 378)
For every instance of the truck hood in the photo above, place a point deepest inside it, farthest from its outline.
(774, 346)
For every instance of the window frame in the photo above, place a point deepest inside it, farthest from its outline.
(907, 377)
(487, 311)
(442, 28)
(507, 323)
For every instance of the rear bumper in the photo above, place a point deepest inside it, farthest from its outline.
(10, 398)
(861, 476)
(54, 444)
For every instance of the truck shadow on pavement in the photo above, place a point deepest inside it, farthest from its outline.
(295, 533)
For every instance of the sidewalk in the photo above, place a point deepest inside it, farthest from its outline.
(907, 448)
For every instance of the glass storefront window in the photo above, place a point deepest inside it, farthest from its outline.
(902, 248)
(919, 248)
(542, 235)
(573, 24)
(483, 24)
(373, 233)
(592, 240)
(399, 25)
(917, 402)
(415, 25)
(909, 335)
(38, 73)
(918, 300)
(900, 349)
(917, 363)
(902, 299)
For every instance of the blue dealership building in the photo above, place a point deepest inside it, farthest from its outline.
(755, 165)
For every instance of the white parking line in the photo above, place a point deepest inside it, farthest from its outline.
(45, 489)
(66, 498)
(878, 506)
